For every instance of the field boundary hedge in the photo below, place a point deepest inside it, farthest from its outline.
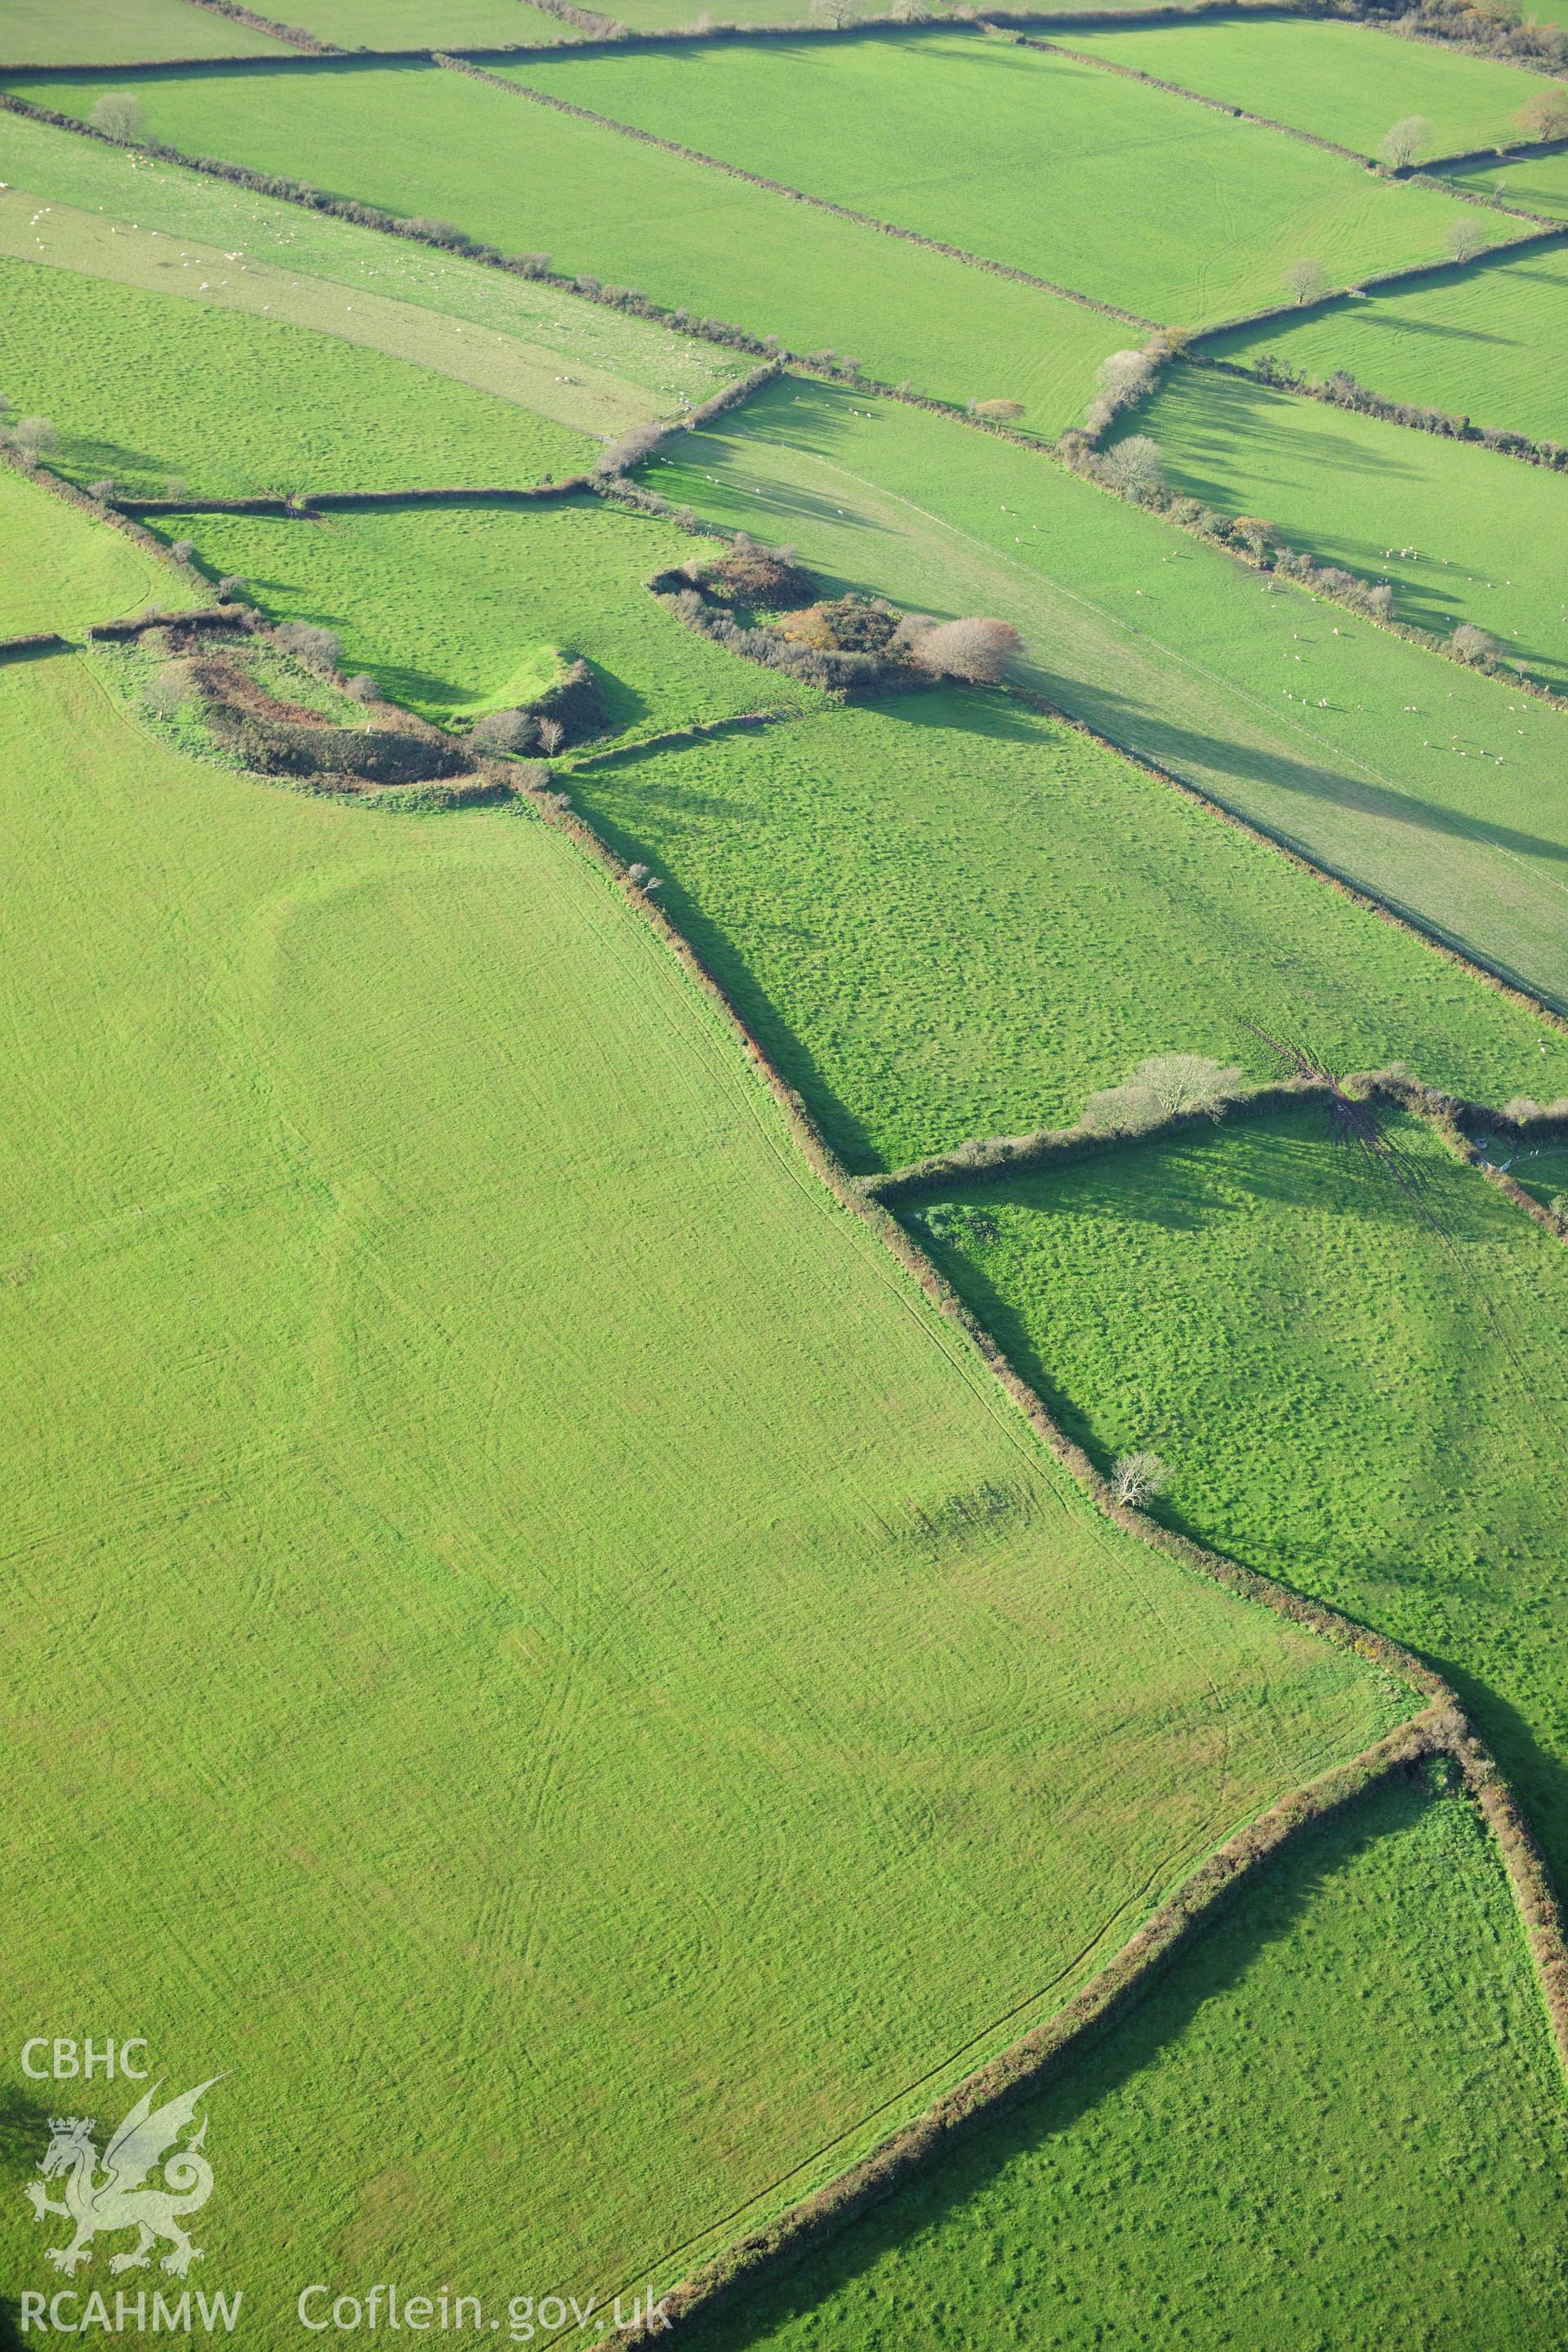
(1359, 399)
(796, 196)
(1196, 97)
(33, 641)
(304, 505)
(294, 35)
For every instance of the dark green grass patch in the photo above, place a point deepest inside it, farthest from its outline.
(143, 387)
(1344, 82)
(1462, 534)
(1124, 192)
(1335, 2123)
(1314, 722)
(948, 916)
(1489, 342)
(420, 141)
(1369, 1409)
(450, 608)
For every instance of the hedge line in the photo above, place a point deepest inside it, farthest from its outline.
(796, 195)
(307, 503)
(1195, 97)
(37, 641)
(1030, 2062)
(294, 35)
(1342, 389)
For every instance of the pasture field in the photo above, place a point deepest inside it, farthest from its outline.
(1484, 531)
(1344, 82)
(427, 24)
(1287, 708)
(1487, 342)
(451, 608)
(252, 404)
(947, 917)
(1125, 193)
(1543, 1170)
(1334, 2121)
(420, 141)
(82, 32)
(636, 1671)
(285, 251)
(1361, 1395)
(553, 383)
(63, 571)
(1536, 184)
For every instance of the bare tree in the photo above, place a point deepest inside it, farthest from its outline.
(1464, 237)
(102, 491)
(552, 735)
(1473, 645)
(1133, 467)
(231, 588)
(836, 13)
(363, 688)
(1404, 141)
(505, 730)
(1163, 1087)
(316, 647)
(30, 436)
(1136, 1478)
(183, 550)
(981, 651)
(1307, 279)
(121, 114)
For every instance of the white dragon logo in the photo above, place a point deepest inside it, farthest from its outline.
(119, 2201)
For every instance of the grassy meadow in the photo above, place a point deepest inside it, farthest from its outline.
(646, 1702)
(1487, 342)
(1334, 2125)
(451, 608)
(1345, 83)
(1316, 724)
(253, 404)
(291, 258)
(1123, 193)
(79, 31)
(1482, 529)
(553, 383)
(1358, 1395)
(947, 917)
(421, 141)
(1536, 184)
(64, 570)
(427, 24)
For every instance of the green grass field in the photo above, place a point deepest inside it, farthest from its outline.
(948, 918)
(418, 140)
(1364, 1403)
(1356, 491)
(1537, 183)
(1344, 82)
(1472, 341)
(435, 24)
(63, 571)
(291, 258)
(1542, 1169)
(1175, 651)
(78, 32)
(252, 404)
(553, 383)
(1335, 2123)
(1122, 192)
(537, 1656)
(449, 608)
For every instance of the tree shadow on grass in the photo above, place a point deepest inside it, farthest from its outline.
(1263, 1910)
